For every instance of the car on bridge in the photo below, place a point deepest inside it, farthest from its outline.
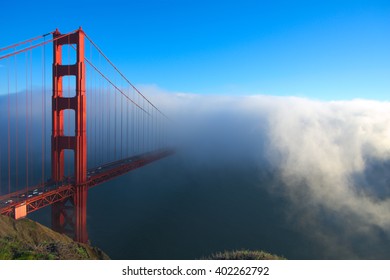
(9, 201)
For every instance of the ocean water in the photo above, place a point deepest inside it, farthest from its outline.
(173, 210)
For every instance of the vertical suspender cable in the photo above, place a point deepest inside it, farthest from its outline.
(16, 126)
(9, 129)
(26, 125)
(133, 127)
(149, 140)
(115, 118)
(95, 111)
(107, 119)
(127, 128)
(121, 125)
(102, 129)
(30, 117)
(44, 112)
(143, 126)
(140, 117)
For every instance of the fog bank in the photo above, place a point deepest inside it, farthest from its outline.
(329, 159)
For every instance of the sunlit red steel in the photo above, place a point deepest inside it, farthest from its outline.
(78, 143)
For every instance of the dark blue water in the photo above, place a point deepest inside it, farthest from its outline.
(174, 209)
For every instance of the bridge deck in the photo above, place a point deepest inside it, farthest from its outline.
(39, 196)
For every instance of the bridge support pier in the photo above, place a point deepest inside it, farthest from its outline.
(80, 214)
(61, 214)
(70, 216)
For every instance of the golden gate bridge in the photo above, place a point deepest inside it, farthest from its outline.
(69, 124)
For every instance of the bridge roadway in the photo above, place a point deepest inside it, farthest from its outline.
(42, 195)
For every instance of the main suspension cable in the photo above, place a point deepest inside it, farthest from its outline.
(122, 75)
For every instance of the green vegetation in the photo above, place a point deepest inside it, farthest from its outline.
(13, 249)
(27, 240)
(244, 255)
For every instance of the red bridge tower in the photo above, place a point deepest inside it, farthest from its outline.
(69, 216)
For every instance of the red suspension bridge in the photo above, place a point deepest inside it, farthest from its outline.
(48, 107)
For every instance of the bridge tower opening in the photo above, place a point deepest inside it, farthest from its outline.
(70, 215)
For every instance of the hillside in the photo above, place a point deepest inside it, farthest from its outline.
(26, 239)
(244, 255)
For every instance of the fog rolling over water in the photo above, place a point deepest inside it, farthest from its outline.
(302, 178)
(324, 163)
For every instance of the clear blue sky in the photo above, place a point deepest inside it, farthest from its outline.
(317, 49)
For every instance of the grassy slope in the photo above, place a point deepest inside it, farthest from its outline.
(26, 239)
(244, 255)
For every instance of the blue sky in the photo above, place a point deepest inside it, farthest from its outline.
(319, 49)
